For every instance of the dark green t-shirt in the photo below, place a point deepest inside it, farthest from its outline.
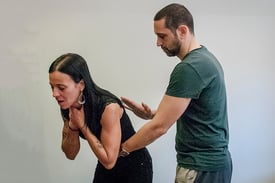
(202, 131)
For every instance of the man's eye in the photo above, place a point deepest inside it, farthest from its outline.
(161, 36)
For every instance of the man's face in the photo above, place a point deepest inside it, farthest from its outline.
(166, 39)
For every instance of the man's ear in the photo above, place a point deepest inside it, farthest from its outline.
(182, 31)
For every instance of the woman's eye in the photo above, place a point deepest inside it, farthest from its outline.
(51, 87)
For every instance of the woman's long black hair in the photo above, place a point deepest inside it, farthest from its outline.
(76, 67)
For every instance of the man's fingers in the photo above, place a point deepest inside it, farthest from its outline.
(146, 107)
(125, 100)
(127, 107)
(131, 104)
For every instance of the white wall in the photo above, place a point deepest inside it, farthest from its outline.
(117, 40)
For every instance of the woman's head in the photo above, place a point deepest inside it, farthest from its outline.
(68, 75)
(71, 81)
(71, 64)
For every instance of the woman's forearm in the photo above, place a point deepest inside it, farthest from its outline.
(70, 141)
(99, 150)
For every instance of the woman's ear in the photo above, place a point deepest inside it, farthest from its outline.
(82, 84)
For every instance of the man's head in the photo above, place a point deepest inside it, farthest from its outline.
(175, 15)
(173, 26)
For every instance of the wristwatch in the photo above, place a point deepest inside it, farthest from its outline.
(123, 152)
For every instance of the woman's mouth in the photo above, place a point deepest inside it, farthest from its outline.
(60, 101)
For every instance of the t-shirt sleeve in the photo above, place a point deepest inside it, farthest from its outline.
(185, 82)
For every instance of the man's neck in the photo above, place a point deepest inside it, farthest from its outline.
(193, 44)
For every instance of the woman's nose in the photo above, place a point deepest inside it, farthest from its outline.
(55, 93)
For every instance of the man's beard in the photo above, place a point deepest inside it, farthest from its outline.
(171, 52)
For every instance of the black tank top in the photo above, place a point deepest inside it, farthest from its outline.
(127, 129)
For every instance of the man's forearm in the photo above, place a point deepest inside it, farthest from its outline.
(144, 136)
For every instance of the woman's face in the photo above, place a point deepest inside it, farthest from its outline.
(65, 90)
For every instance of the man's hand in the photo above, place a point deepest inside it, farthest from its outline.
(143, 111)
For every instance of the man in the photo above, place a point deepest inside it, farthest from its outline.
(195, 99)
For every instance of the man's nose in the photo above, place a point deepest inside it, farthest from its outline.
(159, 42)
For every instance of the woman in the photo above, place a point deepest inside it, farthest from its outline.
(98, 116)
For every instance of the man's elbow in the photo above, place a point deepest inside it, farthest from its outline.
(160, 130)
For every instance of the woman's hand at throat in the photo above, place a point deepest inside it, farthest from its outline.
(77, 118)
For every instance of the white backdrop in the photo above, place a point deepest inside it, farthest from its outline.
(117, 40)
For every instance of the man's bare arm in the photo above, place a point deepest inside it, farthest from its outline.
(169, 110)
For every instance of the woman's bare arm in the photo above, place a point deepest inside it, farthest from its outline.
(107, 149)
(70, 141)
